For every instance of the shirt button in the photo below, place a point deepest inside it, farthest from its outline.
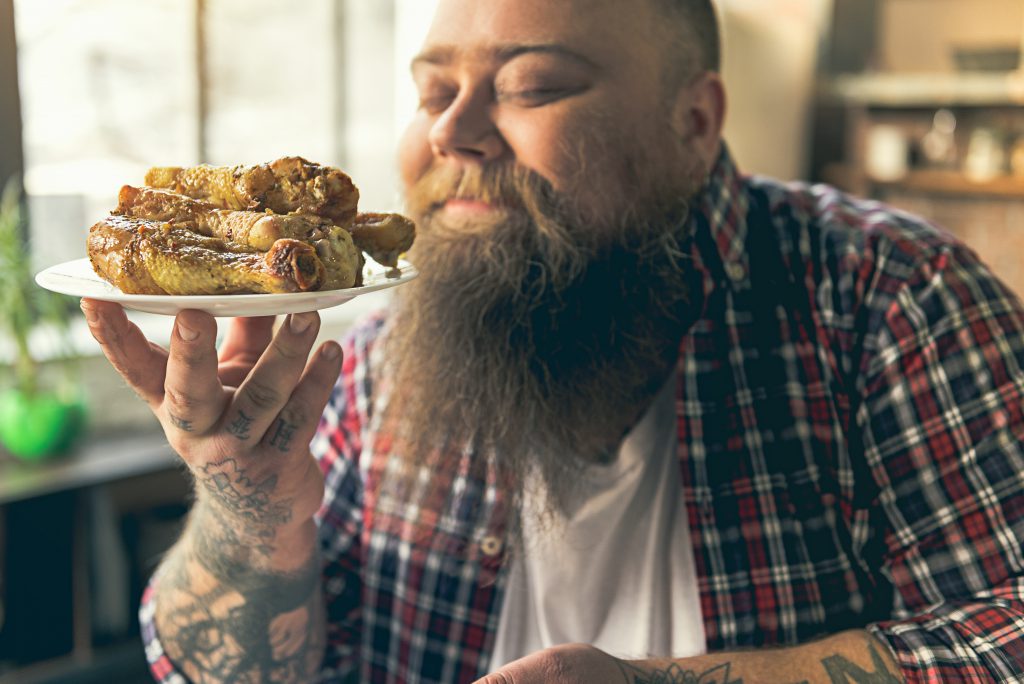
(736, 271)
(490, 546)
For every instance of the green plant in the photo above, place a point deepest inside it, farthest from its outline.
(24, 306)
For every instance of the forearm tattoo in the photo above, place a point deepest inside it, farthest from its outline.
(674, 674)
(222, 616)
(840, 670)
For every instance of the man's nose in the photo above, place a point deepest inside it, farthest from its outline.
(465, 132)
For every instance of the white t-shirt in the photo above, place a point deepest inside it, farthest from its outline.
(618, 573)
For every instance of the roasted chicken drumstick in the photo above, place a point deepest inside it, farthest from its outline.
(334, 245)
(383, 236)
(141, 256)
(286, 226)
(284, 186)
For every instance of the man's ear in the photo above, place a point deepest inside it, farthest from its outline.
(699, 114)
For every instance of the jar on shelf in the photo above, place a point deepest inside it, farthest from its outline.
(938, 147)
(1017, 157)
(986, 155)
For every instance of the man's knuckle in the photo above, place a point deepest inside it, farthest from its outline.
(261, 395)
(288, 352)
(109, 337)
(297, 412)
(133, 377)
(180, 400)
(221, 448)
(192, 359)
(555, 666)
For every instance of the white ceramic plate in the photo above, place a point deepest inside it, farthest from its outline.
(76, 278)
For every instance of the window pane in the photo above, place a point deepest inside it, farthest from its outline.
(106, 88)
(272, 78)
(110, 88)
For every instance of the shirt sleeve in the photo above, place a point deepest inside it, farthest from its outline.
(943, 395)
(337, 446)
(160, 665)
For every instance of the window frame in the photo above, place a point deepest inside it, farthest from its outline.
(12, 161)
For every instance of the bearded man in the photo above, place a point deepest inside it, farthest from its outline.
(641, 419)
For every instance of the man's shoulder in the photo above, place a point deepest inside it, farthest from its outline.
(840, 225)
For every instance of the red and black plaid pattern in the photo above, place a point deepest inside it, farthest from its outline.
(851, 414)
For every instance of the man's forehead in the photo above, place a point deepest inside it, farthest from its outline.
(480, 29)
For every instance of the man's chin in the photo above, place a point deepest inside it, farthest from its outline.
(455, 220)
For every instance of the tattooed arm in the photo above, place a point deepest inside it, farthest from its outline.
(238, 598)
(848, 658)
(853, 657)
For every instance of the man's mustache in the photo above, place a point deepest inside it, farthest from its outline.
(509, 186)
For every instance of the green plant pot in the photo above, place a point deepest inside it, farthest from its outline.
(40, 426)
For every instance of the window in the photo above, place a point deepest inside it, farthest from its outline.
(107, 88)
(111, 87)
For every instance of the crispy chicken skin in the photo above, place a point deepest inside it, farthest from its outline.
(342, 261)
(286, 226)
(284, 186)
(141, 256)
(255, 229)
(383, 236)
(258, 230)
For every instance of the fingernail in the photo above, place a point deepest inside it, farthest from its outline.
(299, 323)
(330, 352)
(187, 334)
(90, 314)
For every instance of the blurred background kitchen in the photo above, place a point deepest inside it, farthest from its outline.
(913, 102)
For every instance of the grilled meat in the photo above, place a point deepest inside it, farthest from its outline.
(284, 186)
(140, 256)
(333, 245)
(383, 236)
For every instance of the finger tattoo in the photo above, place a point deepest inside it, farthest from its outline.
(240, 426)
(282, 434)
(180, 423)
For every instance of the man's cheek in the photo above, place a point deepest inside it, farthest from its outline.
(414, 153)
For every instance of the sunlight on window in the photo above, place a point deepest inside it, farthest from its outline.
(111, 87)
(271, 80)
(106, 87)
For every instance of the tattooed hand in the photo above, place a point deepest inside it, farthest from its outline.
(239, 596)
(242, 423)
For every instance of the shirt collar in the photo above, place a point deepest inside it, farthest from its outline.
(721, 209)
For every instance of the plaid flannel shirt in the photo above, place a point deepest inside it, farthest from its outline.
(850, 427)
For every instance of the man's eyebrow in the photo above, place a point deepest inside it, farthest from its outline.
(507, 52)
(444, 55)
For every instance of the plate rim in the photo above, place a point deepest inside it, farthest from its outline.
(44, 280)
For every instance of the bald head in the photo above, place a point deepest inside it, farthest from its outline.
(695, 29)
